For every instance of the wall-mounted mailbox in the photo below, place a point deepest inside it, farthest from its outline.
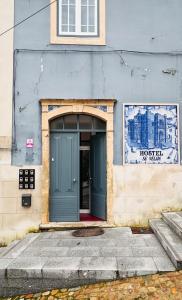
(26, 200)
(26, 179)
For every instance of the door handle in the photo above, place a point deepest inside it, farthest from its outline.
(74, 180)
(52, 159)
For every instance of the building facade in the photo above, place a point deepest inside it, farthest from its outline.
(90, 113)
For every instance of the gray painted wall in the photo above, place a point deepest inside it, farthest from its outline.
(46, 71)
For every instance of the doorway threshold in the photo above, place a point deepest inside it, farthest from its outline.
(70, 225)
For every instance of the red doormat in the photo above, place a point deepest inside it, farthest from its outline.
(88, 217)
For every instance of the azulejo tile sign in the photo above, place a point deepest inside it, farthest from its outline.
(151, 134)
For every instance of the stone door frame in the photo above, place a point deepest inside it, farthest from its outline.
(52, 109)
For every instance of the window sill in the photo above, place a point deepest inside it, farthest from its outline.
(78, 40)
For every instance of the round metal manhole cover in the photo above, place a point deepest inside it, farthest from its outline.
(88, 232)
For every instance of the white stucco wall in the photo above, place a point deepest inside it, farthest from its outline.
(6, 84)
(14, 220)
(141, 192)
(6, 75)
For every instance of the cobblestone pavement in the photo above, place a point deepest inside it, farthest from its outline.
(156, 287)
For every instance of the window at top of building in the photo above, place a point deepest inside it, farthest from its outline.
(78, 17)
(78, 22)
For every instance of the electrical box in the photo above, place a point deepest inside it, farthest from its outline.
(26, 200)
(26, 179)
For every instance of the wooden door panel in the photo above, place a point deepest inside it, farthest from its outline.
(98, 175)
(64, 183)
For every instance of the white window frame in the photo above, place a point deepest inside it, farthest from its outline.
(78, 31)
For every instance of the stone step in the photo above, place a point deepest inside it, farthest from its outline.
(5, 250)
(169, 240)
(174, 220)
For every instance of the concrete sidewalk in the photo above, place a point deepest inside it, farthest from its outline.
(57, 259)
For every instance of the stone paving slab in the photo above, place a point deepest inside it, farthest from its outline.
(98, 263)
(74, 242)
(4, 262)
(110, 233)
(96, 242)
(148, 251)
(5, 250)
(134, 266)
(26, 267)
(57, 259)
(83, 251)
(61, 267)
(98, 268)
(150, 239)
(1, 250)
(163, 264)
(131, 241)
(116, 251)
(45, 252)
(125, 241)
(41, 242)
(16, 250)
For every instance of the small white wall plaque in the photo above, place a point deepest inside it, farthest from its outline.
(29, 143)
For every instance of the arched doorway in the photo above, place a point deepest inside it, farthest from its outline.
(78, 180)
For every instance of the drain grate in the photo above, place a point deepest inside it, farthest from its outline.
(85, 232)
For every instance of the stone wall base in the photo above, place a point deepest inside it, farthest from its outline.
(16, 220)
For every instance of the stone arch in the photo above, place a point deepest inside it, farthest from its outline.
(86, 110)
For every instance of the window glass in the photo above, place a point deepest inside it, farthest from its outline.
(85, 122)
(88, 15)
(99, 124)
(78, 17)
(91, 28)
(67, 12)
(92, 15)
(72, 16)
(64, 8)
(57, 123)
(70, 122)
(84, 15)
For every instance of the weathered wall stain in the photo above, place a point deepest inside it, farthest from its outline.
(141, 193)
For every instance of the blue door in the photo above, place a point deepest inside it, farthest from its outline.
(98, 175)
(64, 185)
